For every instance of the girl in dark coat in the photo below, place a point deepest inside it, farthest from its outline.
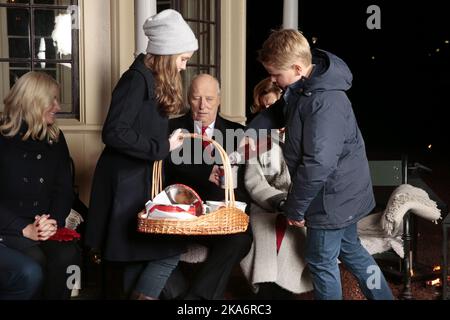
(135, 134)
(35, 182)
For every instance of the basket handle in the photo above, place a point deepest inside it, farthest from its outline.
(229, 191)
(157, 178)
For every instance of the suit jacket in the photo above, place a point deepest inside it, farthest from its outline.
(196, 176)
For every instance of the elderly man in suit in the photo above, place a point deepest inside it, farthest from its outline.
(198, 172)
(199, 168)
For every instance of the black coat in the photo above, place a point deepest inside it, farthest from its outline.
(35, 179)
(135, 134)
(196, 176)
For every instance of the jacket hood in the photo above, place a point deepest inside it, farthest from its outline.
(330, 73)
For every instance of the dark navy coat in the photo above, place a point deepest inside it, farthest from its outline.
(324, 149)
(35, 179)
(135, 134)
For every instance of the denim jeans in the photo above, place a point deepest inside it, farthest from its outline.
(149, 278)
(20, 276)
(323, 249)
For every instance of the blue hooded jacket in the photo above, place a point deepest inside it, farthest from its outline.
(324, 149)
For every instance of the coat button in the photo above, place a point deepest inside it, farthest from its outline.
(39, 157)
(41, 180)
(35, 204)
(25, 155)
(26, 180)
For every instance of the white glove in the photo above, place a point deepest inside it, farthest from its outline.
(176, 139)
(73, 220)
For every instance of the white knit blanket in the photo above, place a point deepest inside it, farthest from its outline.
(382, 231)
(374, 238)
(403, 199)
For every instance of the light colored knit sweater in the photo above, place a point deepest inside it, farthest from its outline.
(267, 180)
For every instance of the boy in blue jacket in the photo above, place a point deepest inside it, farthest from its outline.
(324, 149)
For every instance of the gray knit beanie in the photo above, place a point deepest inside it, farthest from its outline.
(169, 34)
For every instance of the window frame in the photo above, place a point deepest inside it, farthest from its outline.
(178, 5)
(33, 60)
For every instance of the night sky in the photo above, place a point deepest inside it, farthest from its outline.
(401, 73)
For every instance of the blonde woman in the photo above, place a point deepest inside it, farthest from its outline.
(135, 134)
(35, 181)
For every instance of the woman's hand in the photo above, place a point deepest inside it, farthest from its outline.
(176, 139)
(46, 227)
(31, 231)
(41, 229)
(214, 177)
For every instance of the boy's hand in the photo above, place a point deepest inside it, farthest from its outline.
(298, 224)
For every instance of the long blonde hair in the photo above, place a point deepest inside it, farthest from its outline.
(168, 86)
(27, 101)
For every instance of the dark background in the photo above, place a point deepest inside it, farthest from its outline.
(400, 97)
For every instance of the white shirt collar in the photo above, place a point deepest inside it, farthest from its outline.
(198, 128)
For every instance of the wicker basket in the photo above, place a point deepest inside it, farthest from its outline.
(227, 220)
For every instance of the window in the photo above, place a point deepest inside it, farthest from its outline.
(204, 18)
(41, 35)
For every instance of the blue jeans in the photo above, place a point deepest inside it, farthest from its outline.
(324, 248)
(149, 278)
(20, 276)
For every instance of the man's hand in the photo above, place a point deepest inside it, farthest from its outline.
(214, 177)
(295, 223)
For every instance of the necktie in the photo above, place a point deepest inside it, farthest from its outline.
(204, 142)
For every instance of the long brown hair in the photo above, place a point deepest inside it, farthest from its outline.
(168, 86)
(30, 96)
(263, 87)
